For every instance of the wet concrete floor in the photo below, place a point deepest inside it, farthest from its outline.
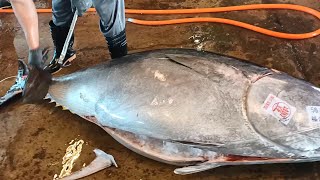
(34, 137)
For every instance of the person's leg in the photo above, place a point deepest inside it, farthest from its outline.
(113, 25)
(25, 12)
(59, 26)
(62, 13)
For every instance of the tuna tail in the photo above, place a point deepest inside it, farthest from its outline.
(38, 82)
(102, 161)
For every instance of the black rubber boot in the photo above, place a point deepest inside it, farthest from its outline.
(59, 35)
(5, 4)
(118, 45)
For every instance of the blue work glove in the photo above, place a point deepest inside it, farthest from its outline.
(81, 5)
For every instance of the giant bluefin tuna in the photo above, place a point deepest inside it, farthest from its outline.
(197, 110)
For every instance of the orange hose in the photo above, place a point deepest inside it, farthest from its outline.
(231, 22)
(228, 21)
(227, 9)
(216, 20)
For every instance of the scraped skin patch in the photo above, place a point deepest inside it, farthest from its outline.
(159, 76)
(72, 154)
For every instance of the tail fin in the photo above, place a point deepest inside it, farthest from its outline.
(102, 161)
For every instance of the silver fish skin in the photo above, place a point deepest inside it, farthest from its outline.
(198, 100)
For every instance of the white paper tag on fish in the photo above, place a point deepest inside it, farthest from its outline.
(313, 113)
(279, 109)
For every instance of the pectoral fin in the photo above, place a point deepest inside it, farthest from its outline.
(196, 169)
(235, 160)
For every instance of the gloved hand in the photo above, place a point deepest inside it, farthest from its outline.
(37, 57)
(81, 5)
(38, 80)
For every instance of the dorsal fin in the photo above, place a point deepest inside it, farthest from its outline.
(189, 61)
